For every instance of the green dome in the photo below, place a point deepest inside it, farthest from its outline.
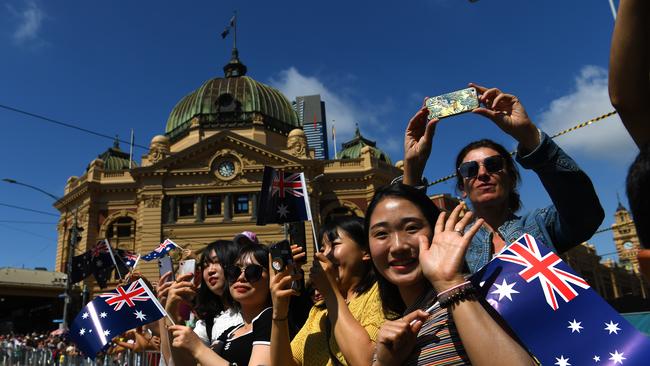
(231, 102)
(115, 159)
(352, 148)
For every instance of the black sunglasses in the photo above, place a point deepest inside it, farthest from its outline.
(492, 164)
(252, 273)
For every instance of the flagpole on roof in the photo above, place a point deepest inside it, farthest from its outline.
(131, 149)
(234, 25)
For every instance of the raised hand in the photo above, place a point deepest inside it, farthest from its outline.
(324, 275)
(396, 339)
(162, 290)
(181, 291)
(417, 145)
(509, 114)
(280, 284)
(442, 259)
(185, 338)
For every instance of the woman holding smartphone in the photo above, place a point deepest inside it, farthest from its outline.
(247, 343)
(418, 254)
(341, 330)
(212, 302)
(487, 176)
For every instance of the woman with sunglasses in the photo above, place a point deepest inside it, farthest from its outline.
(418, 254)
(487, 176)
(340, 330)
(247, 343)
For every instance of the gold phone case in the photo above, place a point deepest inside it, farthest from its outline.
(453, 103)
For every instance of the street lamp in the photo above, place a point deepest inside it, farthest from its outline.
(73, 244)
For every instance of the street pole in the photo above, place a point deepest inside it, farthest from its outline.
(68, 284)
(74, 232)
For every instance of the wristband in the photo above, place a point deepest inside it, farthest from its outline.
(456, 294)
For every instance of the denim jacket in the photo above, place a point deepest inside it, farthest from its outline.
(573, 217)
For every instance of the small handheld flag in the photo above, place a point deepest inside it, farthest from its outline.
(162, 249)
(554, 312)
(283, 198)
(113, 313)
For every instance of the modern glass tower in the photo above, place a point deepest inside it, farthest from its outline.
(311, 114)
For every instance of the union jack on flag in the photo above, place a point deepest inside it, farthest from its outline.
(283, 184)
(160, 251)
(522, 284)
(553, 280)
(283, 198)
(99, 248)
(121, 297)
(110, 314)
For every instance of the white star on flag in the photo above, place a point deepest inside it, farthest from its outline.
(107, 332)
(505, 289)
(283, 210)
(596, 358)
(102, 315)
(617, 357)
(575, 326)
(82, 331)
(99, 263)
(140, 315)
(612, 327)
(90, 331)
(84, 316)
(562, 361)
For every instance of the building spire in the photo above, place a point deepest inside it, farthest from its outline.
(620, 205)
(235, 67)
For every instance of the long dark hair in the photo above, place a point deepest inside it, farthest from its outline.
(391, 299)
(209, 304)
(514, 203)
(355, 228)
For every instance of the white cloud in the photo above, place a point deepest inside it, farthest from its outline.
(340, 107)
(29, 22)
(604, 140)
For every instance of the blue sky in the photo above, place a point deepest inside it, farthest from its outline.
(113, 66)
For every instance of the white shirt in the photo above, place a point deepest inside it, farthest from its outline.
(222, 321)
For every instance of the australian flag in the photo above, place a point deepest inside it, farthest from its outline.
(283, 198)
(97, 261)
(162, 249)
(125, 260)
(113, 313)
(554, 312)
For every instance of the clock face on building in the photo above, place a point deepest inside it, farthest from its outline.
(628, 245)
(226, 169)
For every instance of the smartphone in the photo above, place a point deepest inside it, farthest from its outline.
(281, 255)
(450, 104)
(186, 266)
(165, 265)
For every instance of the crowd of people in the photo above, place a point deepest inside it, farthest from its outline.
(394, 286)
(392, 289)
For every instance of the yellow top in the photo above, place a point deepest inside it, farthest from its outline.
(310, 345)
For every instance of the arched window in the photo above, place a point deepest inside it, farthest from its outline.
(121, 233)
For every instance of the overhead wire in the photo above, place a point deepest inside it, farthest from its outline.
(69, 125)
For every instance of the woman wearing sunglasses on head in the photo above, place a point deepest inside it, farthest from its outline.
(487, 176)
(341, 330)
(247, 343)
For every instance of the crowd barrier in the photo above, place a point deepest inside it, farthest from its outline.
(29, 356)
